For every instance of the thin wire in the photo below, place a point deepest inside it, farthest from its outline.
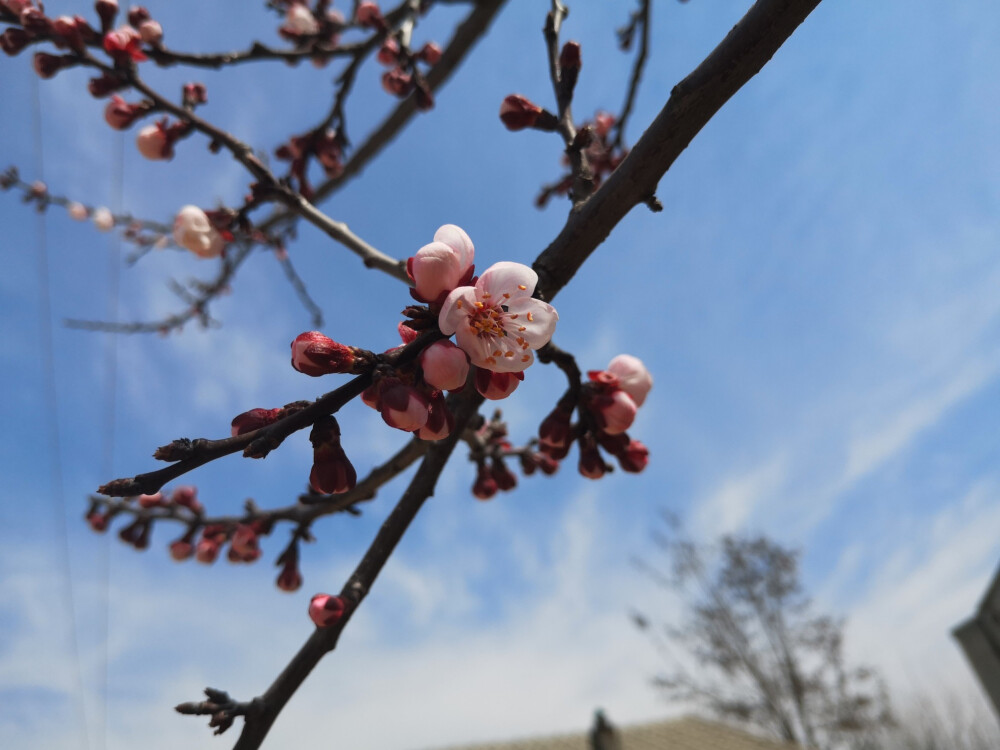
(108, 433)
(47, 350)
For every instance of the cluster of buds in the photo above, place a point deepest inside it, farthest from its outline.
(403, 76)
(602, 153)
(66, 32)
(607, 405)
(204, 233)
(327, 146)
(491, 449)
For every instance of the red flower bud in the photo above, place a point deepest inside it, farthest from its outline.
(518, 112)
(430, 53)
(47, 65)
(369, 15)
(207, 551)
(137, 14)
(497, 385)
(555, 428)
(119, 114)
(254, 419)
(290, 579)
(634, 458)
(314, 354)
(105, 84)
(187, 497)
(485, 485)
(440, 421)
(503, 476)
(97, 521)
(404, 407)
(388, 53)
(547, 464)
(397, 82)
(326, 610)
(332, 472)
(107, 10)
(124, 44)
(13, 40)
(591, 464)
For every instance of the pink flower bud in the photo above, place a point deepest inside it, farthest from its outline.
(591, 464)
(103, 219)
(315, 354)
(290, 579)
(194, 231)
(154, 143)
(614, 412)
(119, 114)
(503, 476)
(430, 53)
(194, 93)
(136, 533)
(497, 385)
(97, 521)
(207, 551)
(254, 419)
(440, 421)
(444, 264)
(34, 20)
(151, 501)
(187, 497)
(300, 21)
(569, 59)
(13, 40)
(445, 366)
(396, 81)
(518, 112)
(388, 53)
(369, 15)
(634, 458)
(67, 29)
(137, 14)
(38, 189)
(124, 44)
(326, 610)
(151, 32)
(404, 407)
(555, 428)
(485, 485)
(547, 464)
(603, 122)
(332, 472)
(244, 544)
(181, 550)
(633, 377)
(77, 211)
(105, 84)
(107, 10)
(47, 65)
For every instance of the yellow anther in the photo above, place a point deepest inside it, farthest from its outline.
(458, 304)
(490, 361)
(522, 287)
(514, 316)
(480, 306)
(525, 357)
(497, 353)
(506, 295)
(531, 318)
(523, 328)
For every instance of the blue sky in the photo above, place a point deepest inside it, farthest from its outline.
(817, 302)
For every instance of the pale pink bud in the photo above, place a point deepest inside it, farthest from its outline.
(326, 610)
(633, 377)
(151, 32)
(151, 501)
(300, 21)
(103, 219)
(77, 211)
(244, 543)
(445, 366)
(603, 122)
(444, 264)
(154, 143)
(497, 385)
(315, 354)
(404, 407)
(193, 230)
(615, 412)
(207, 551)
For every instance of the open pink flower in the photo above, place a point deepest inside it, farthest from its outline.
(497, 322)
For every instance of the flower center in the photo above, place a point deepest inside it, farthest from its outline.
(486, 320)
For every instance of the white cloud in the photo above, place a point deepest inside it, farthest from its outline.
(737, 498)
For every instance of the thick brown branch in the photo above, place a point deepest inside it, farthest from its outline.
(265, 710)
(692, 103)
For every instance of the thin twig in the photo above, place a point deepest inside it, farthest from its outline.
(642, 18)
(315, 313)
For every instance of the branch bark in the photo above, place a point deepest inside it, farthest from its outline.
(693, 102)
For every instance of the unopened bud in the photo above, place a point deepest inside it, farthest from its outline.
(369, 15)
(430, 53)
(254, 419)
(326, 610)
(315, 354)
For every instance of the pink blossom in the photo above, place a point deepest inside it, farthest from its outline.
(326, 610)
(154, 143)
(445, 366)
(404, 407)
(77, 211)
(299, 20)
(614, 411)
(497, 322)
(444, 264)
(315, 354)
(633, 377)
(124, 44)
(193, 230)
(103, 219)
(497, 385)
(151, 32)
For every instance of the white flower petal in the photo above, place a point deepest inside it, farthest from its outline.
(514, 279)
(455, 310)
(532, 320)
(479, 348)
(456, 238)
